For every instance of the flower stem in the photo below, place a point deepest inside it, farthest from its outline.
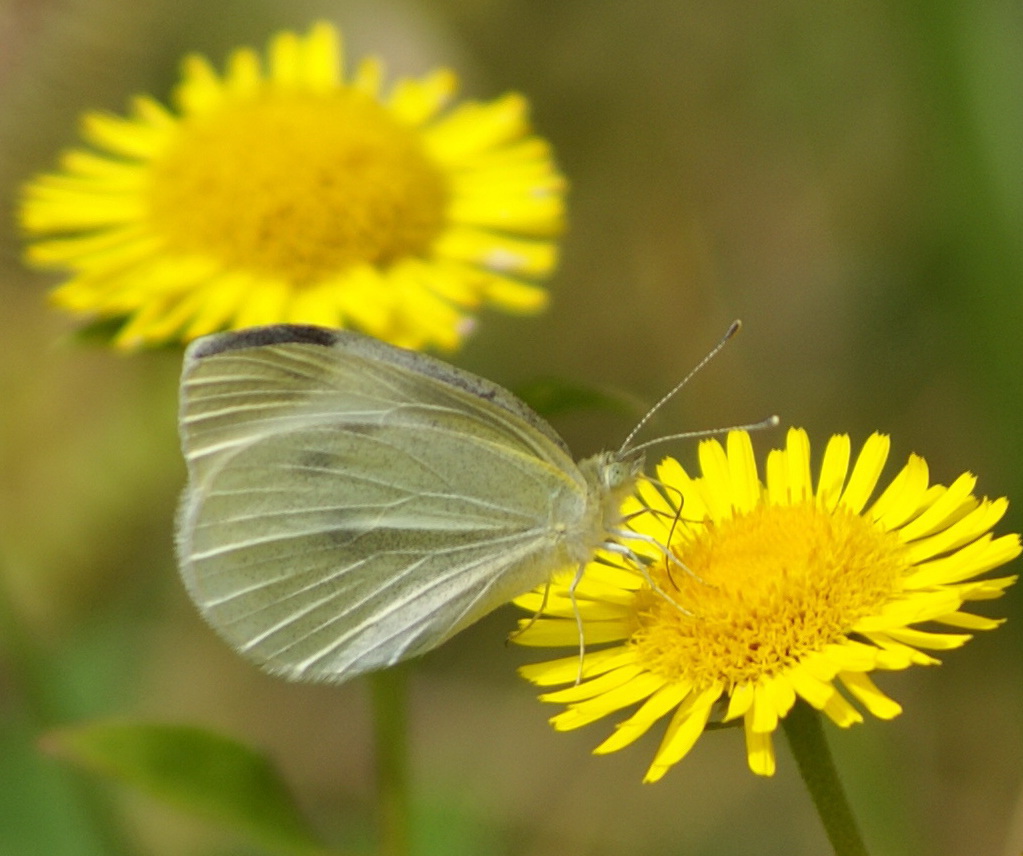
(806, 738)
(390, 725)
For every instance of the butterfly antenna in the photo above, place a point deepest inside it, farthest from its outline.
(769, 422)
(732, 330)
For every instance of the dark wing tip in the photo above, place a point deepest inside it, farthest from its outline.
(257, 337)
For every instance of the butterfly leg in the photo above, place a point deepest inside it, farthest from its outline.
(622, 550)
(670, 557)
(578, 620)
(533, 618)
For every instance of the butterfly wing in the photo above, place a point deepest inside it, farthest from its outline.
(351, 504)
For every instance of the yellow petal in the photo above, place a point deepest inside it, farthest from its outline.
(840, 712)
(685, 729)
(597, 687)
(759, 750)
(864, 689)
(654, 708)
(834, 468)
(904, 497)
(585, 712)
(763, 716)
(715, 486)
(866, 472)
(936, 517)
(797, 466)
(566, 669)
(742, 476)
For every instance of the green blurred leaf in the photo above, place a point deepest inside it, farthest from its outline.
(552, 396)
(101, 332)
(201, 772)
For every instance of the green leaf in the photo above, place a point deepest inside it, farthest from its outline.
(552, 396)
(101, 333)
(201, 772)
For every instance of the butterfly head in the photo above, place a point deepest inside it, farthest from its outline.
(611, 478)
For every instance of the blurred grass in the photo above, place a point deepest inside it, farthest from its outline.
(845, 178)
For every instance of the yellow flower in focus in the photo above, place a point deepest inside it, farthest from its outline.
(286, 193)
(791, 591)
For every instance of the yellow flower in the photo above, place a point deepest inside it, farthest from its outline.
(289, 194)
(779, 590)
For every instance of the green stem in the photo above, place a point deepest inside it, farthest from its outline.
(806, 738)
(391, 727)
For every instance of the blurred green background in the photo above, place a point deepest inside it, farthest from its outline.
(846, 178)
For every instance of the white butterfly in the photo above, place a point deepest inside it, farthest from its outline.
(351, 504)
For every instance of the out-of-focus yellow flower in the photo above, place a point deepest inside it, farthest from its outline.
(280, 191)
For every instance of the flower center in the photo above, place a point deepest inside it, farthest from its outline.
(298, 186)
(775, 584)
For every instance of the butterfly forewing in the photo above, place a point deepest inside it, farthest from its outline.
(346, 511)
